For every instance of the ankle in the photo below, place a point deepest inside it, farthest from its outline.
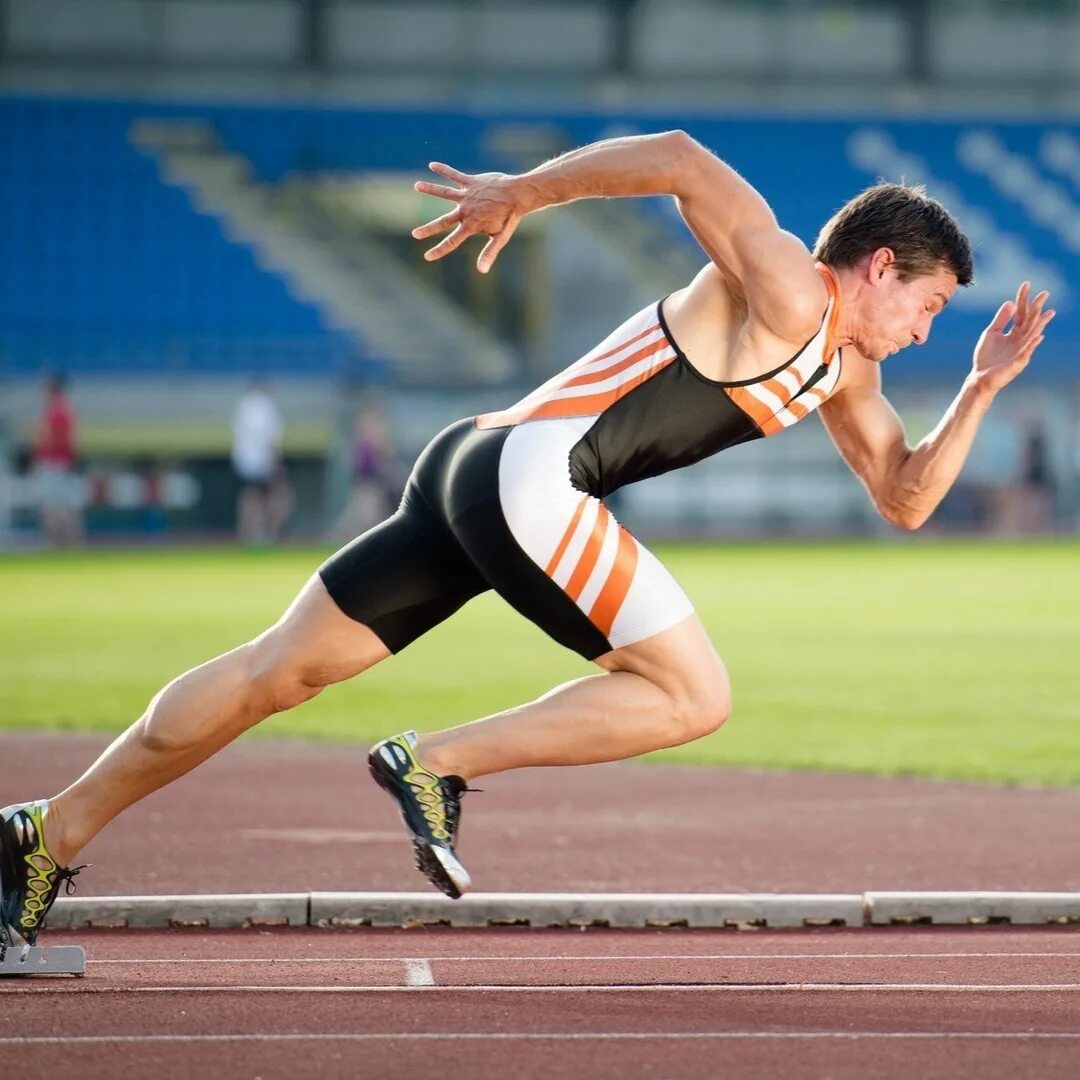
(59, 842)
(437, 759)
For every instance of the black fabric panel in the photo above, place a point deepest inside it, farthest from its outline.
(674, 419)
(446, 544)
(470, 498)
(403, 577)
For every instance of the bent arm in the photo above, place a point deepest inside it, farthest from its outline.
(906, 484)
(729, 218)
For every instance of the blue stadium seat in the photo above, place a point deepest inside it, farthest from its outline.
(102, 255)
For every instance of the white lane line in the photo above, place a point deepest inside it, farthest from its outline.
(682, 988)
(418, 973)
(559, 1036)
(608, 958)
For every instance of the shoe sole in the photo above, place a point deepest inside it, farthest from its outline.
(437, 863)
(441, 868)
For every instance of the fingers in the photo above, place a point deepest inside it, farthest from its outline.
(1004, 314)
(494, 246)
(440, 190)
(451, 243)
(1035, 337)
(1031, 321)
(440, 224)
(448, 172)
(1026, 312)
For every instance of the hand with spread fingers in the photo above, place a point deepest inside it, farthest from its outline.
(488, 204)
(1002, 354)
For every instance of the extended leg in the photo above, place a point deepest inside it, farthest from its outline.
(194, 716)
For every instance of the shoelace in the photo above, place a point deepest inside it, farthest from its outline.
(68, 877)
(452, 801)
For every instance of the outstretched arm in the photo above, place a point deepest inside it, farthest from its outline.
(729, 218)
(906, 484)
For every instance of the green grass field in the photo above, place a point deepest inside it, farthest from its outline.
(935, 659)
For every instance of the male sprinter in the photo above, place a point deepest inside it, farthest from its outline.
(765, 334)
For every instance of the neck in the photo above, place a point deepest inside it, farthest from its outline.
(851, 290)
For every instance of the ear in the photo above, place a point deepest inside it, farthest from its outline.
(882, 261)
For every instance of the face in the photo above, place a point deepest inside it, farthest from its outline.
(898, 313)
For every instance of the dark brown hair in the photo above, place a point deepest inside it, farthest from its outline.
(922, 234)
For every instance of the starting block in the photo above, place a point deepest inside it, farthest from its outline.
(32, 960)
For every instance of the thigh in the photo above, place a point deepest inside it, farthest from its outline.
(402, 577)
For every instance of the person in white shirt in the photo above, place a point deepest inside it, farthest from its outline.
(263, 502)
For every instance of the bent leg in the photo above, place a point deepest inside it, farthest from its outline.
(312, 645)
(669, 689)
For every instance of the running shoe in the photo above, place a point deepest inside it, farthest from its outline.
(30, 879)
(430, 806)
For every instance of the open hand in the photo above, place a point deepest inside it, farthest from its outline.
(1002, 354)
(487, 205)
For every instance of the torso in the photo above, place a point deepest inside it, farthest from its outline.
(678, 382)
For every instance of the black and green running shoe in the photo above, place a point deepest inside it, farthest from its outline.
(30, 878)
(430, 806)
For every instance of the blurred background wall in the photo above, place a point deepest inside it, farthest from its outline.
(203, 195)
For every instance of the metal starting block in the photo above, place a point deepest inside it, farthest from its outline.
(32, 960)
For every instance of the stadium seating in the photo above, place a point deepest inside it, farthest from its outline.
(109, 268)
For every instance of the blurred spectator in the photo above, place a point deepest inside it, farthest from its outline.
(1027, 505)
(55, 481)
(372, 495)
(264, 498)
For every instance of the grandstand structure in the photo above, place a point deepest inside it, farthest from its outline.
(200, 191)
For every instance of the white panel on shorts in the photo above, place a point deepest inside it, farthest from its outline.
(539, 502)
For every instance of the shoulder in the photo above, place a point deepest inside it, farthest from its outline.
(784, 291)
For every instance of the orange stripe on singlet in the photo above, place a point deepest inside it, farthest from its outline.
(609, 372)
(615, 589)
(560, 408)
(798, 409)
(587, 563)
(757, 410)
(586, 359)
(781, 389)
(567, 536)
(579, 373)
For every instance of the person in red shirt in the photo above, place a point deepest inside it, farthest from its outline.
(54, 468)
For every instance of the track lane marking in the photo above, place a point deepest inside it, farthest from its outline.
(500, 1036)
(688, 987)
(608, 957)
(419, 973)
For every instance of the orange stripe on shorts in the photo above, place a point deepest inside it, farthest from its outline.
(567, 536)
(587, 562)
(615, 589)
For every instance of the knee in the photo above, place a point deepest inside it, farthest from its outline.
(701, 704)
(291, 689)
(277, 684)
(275, 688)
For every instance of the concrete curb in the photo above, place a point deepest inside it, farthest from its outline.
(630, 910)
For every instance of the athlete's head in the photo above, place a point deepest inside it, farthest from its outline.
(900, 256)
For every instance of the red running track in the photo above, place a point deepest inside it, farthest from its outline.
(867, 1003)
